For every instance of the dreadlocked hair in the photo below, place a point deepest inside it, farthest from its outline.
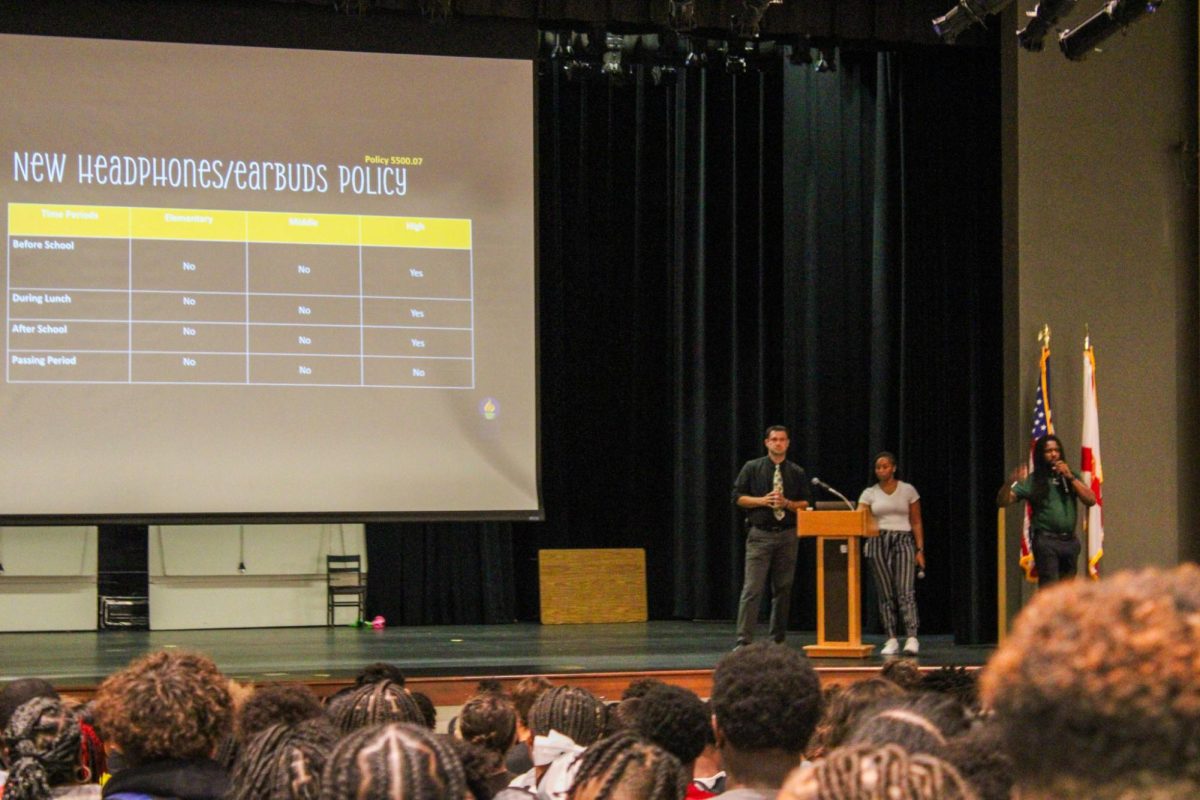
(570, 710)
(490, 721)
(283, 762)
(43, 742)
(865, 772)
(397, 761)
(627, 766)
(374, 703)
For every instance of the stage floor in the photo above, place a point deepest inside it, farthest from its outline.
(444, 661)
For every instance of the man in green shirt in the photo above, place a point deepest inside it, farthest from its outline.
(1051, 492)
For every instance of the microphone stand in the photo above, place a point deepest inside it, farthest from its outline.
(831, 490)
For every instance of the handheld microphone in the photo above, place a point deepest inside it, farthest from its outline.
(818, 482)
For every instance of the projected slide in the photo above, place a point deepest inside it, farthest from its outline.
(245, 281)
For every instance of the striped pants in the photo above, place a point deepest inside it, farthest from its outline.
(894, 565)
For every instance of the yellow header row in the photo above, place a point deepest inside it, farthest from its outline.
(115, 222)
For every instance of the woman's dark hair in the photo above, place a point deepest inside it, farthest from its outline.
(43, 743)
(398, 761)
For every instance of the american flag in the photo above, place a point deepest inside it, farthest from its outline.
(1043, 423)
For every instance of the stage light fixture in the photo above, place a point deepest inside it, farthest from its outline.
(1114, 16)
(965, 14)
(1045, 15)
(612, 63)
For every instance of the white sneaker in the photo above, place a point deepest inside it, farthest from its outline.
(890, 647)
(911, 646)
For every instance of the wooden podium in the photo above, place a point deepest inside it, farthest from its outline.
(839, 587)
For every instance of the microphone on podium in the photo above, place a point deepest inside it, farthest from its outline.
(818, 482)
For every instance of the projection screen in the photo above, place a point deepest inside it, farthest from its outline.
(265, 282)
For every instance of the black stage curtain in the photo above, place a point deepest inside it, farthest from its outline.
(722, 252)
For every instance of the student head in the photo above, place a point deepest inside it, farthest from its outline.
(868, 772)
(283, 761)
(570, 710)
(1096, 688)
(671, 717)
(396, 761)
(627, 767)
(920, 723)
(167, 705)
(374, 703)
(766, 701)
(43, 742)
(489, 721)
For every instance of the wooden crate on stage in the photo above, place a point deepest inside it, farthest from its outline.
(606, 585)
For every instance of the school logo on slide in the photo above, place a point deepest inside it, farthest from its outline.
(489, 408)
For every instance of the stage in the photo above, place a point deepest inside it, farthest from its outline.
(445, 662)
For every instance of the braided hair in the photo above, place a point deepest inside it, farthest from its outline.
(397, 761)
(283, 762)
(865, 772)
(570, 710)
(490, 721)
(627, 766)
(43, 742)
(374, 703)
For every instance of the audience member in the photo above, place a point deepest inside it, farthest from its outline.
(278, 703)
(958, 682)
(868, 772)
(283, 761)
(490, 721)
(524, 695)
(1095, 692)
(904, 672)
(372, 704)
(766, 700)
(43, 742)
(920, 723)
(563, 721)
(980, 759)
(627, 767)
(394, 761)
(166, 713)
(844, 706)
(428, 709)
